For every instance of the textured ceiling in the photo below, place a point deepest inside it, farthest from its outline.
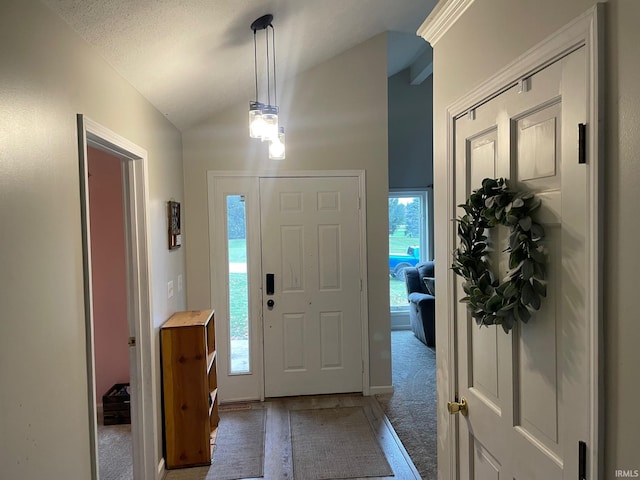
(192, 58)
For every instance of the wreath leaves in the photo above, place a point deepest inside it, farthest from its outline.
(489, 301)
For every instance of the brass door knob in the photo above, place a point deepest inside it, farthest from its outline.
(455, 407)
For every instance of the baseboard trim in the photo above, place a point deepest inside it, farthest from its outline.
(380, 389)
(394, 436)
(161, 471)
(397, 328)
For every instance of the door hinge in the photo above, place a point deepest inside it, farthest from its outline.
(132, 341)
(582, 143)
(524, 85)
(582, 460)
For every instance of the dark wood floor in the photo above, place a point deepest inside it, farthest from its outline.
(278, 464)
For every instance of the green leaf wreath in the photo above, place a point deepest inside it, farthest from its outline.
(489, 301)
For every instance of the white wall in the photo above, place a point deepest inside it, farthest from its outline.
(336, 119)
(491, 34)
(47, 76)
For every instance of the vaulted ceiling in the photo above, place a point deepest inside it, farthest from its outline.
(193, 58)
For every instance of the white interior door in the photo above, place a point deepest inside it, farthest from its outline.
(528, 391)
(311, 245)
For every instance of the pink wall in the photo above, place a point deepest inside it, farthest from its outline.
(111, 331)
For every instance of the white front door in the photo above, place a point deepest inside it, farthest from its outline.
(312, 316)
(527, 391)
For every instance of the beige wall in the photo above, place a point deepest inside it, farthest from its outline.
(491, 34)
(336, 119)
(47, 76)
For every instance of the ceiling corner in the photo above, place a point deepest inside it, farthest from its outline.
(442, 18)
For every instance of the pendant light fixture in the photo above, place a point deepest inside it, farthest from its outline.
(263, 117)
(276, 146)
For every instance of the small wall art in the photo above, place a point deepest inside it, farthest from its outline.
(175, 239)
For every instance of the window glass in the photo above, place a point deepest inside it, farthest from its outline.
(238, 293)
(407, 241)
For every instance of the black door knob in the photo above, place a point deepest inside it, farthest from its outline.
(270, 303)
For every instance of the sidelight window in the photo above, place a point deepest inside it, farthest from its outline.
(238, 291)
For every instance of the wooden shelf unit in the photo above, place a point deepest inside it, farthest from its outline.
(190, 387)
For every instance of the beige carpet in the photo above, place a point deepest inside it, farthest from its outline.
(335, 443)
(411, 408)
(115, 459)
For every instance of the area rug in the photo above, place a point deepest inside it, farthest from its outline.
(335, 443)
(238, 452)
(239, 449)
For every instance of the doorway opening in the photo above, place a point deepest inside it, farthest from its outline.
(110, 322)
(135, 303)
(411, 408)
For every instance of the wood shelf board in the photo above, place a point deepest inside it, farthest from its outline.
(190, 318)
(210, 360)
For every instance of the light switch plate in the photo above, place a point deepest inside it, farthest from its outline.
(170, 289)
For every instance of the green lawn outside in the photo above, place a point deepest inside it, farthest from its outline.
(238, 308)
(397, 293)
(238, 250)
(398, 243)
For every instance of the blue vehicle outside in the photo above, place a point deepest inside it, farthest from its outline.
(398, 262)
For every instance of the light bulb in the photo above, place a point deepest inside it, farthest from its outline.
(256, 121)
(276, 147)
(270, 118)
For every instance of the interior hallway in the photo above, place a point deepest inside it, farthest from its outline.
(411, 410)
(278, 463)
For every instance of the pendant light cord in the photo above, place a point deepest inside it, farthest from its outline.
(266, 36)
(275, 84)
(255, 63)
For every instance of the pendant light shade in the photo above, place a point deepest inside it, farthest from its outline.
(263, 117)
(276, 147)
(270, 123)
(256, 122)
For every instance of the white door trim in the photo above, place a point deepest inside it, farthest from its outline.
(135, 190)
(585, 31)
(360, 174)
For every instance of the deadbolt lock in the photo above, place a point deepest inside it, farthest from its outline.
(455, 407)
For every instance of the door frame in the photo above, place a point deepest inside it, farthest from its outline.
(139, 294)
(215, 258)
(585, 31)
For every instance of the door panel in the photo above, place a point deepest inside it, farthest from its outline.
(484, 360)
(292, 242)
(311, 243)
(527, 390)
(235, 286)
(293, 342)
(485, 467)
